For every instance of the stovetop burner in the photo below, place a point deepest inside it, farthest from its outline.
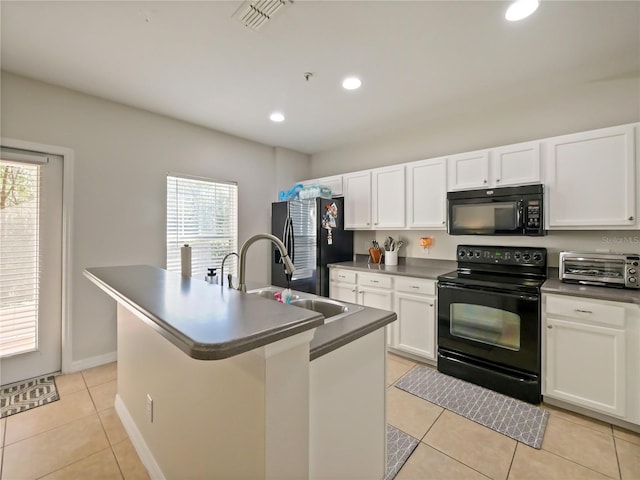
(520, 269)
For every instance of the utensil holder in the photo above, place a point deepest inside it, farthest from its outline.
(375, 255)
(391, 258)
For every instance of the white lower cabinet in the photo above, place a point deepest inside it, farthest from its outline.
(413, 300)
(415, 305)
(374, 290)
(590, 354)
(415, 329)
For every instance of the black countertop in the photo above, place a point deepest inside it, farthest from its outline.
(210, 322)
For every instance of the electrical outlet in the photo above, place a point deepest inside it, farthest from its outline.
(150, 408)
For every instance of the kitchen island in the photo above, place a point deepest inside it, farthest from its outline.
(217, 383)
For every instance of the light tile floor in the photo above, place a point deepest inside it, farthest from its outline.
(452, 447)
(78, 437)
(81, 437)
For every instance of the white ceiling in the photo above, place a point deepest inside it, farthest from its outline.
(420, 61)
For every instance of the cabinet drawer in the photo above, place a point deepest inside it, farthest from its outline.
(416, 285)
(380, 281)
(589, 311)
(343, 276)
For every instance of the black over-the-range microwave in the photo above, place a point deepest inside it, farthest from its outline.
(497, 211)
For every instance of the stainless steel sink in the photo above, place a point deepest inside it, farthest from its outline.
(270, 293)
(330, 309)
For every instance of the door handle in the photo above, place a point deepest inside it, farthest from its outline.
(582, 311)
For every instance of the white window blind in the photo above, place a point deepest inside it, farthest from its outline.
(19, 257)
(204, 214)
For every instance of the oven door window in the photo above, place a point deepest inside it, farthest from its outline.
(486, 325)
(485, 217)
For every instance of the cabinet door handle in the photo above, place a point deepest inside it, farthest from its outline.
(497, 180)
(431, 304)
(341, 276)
(583, 311)
(353, 291)
(484, 181)
(414, 286)
(631, 218)
(375, 223)
(375, 281)
(549, 327)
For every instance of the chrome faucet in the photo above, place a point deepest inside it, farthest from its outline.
(288, 264)
(222, 269)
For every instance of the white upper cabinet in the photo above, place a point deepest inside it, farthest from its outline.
(515, 164)
(591, 179)
(427, 194)
(388, 197)
(357, 200)
(468, 171)
(334, 183)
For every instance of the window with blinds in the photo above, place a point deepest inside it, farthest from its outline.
(19, 257)
(203, 214)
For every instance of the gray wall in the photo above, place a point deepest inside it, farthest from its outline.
(122, 155)
(586, 107)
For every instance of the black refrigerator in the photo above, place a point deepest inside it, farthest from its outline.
(313, 232)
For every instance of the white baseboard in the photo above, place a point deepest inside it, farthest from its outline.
(138, 442)
(92, 362)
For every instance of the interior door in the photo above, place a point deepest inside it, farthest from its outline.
(37, 301)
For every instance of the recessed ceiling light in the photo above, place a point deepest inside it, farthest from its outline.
(351, 83)
(277, 117)
(521, 9)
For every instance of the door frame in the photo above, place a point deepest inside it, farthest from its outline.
(67, 155)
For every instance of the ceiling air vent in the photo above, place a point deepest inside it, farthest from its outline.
(255, 13)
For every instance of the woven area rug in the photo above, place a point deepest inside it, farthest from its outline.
(400, 446)
(20, 396)
(519, 420)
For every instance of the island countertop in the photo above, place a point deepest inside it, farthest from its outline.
(209, 322)
(205, 321)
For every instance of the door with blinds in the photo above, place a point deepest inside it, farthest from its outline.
(30, 264)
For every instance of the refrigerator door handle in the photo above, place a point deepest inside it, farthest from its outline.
(291, 248)
(285, 237)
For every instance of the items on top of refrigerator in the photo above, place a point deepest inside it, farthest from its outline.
(314, 191)
(292, 194)
(300, 192)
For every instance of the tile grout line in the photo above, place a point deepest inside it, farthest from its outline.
(456, 460)
(513, 457)
(434, 422)
(615, 449)
(69, 464)
(576, 463)
(47, 430)
(115, 457)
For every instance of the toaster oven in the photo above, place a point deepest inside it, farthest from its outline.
(601, 269)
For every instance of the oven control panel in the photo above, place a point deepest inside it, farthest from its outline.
(502, 255)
